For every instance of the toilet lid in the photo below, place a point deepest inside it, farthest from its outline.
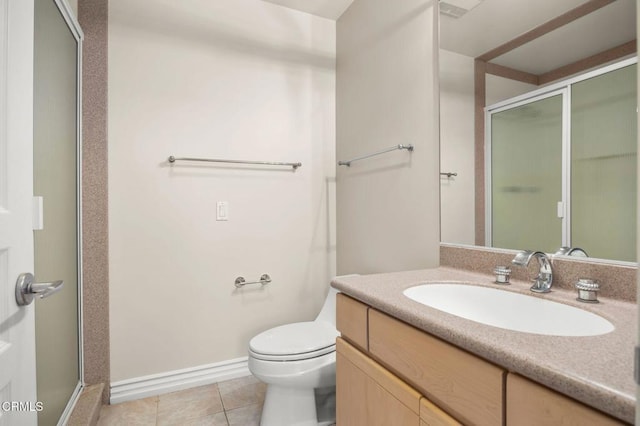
(303, 339)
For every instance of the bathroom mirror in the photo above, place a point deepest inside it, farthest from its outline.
(538, 133)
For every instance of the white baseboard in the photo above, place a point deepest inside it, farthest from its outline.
(171, 381)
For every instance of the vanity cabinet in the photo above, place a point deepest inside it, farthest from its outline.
(391, 373)
(369, 394)
(465, 386)
(432, 415)
(530, 404)
(352, 321)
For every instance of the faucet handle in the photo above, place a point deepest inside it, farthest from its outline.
(502, 274)
(587, 290)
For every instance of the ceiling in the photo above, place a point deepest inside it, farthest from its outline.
(331, 9)
(491, 23)
(494, 22)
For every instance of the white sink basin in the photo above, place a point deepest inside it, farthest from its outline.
(508, 310)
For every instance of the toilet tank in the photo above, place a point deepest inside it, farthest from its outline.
(328, 311)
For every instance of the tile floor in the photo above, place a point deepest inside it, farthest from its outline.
(235, 402)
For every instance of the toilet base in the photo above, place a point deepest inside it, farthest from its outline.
(289, 406)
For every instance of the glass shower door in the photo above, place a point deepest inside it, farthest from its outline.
(603, 164)
(525, 174)
(56, 247)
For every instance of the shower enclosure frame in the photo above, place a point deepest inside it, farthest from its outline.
(562, 88)
(76, 31)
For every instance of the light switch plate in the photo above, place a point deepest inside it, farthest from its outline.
(222, 210)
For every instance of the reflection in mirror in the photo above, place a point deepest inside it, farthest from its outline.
(521, 190)
(571, 251)
(538, 120)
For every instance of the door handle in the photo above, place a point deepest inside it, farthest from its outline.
(27, 290)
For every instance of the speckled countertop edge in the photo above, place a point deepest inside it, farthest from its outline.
(596, 370)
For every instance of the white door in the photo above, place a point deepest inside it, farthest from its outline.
(17, 343)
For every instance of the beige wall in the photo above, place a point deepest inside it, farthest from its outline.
(457, 148)
(387, 206)
(237, 79)
(457, 140)
(500, 89)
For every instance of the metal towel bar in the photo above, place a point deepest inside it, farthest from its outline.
(264, 280)
(393, 148)
(173, 159)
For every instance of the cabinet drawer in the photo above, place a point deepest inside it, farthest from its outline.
(368, 395)
(467, 387)
(432, 415)
(531, 404)
(351, 320)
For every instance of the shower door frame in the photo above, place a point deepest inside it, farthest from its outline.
(565, 171)
(74, 27)
(560, 88)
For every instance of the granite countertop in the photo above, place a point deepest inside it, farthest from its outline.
(596, 370)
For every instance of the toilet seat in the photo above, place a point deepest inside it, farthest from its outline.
(298, 363)
(295, 342)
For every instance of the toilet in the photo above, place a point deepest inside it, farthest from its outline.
(298, 363)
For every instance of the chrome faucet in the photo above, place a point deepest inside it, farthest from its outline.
(541, 283)
(571, 251)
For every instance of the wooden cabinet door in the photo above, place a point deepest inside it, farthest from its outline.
(368, 395)
(531, 404)
(467, 387)
(432, 415)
